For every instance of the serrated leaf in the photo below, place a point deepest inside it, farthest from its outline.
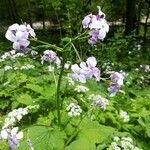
(94, 132)
(44, 138)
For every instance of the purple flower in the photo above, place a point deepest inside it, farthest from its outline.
(117, 78)
(97, 25)
(99, 101)
(19, 34)
(114, 88)
(77, 75)
(86, 70)
(51, 56)
(117, 81)
(12, 135)
(86, 21)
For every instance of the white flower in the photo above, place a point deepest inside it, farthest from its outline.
(70, 81)
(8, 68)
(80, 88)
(124, 143)
(16, 115)
(147, 68)
(33, 53)
(4, 134)
(67, 65)
(124, 116)
(116, 138)
(74, 110)
(127, 139)
(50, 68)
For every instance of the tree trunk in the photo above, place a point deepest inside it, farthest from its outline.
(139, 17)
(44, 14)
(15, 11)
(130, 16)
(29, 12)
(146, 21)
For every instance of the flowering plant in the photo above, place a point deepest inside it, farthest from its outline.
(61, 104)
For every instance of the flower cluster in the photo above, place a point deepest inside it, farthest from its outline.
(51, 56)
(19, 34)
(67, 65)
(145, 67)
(99, 101)
(34, 53)
(50, 68)
(16, 115)
(74, 110)
(107, 67)
(70, 80)
(11, 133)
(97, 26)
(86, 70)
(125, 143)
(124, 116)
(25, 67)
(81, 88)
(10, 55)
(117, 81)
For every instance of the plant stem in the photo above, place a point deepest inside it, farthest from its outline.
(76, 52)
(50, 45)
(54, 78)
(58, 93)
(75, 132)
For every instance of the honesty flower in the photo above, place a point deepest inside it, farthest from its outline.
(51, 56)
(86, 70)
(117, 78)
(4, 134)
(97, 25)
(117, 81)
(12, 135)
(77, 75)
(98, 100)
(87, 20)
(19, 34)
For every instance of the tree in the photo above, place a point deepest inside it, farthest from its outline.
(130, 16)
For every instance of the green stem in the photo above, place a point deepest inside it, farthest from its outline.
(53, 72)
(58, 93)
(75, 131)
(80, 35)
(48, 44)
(76, 52)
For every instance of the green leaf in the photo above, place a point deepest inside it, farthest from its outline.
(145, 123)
(44, 138)
(79, 144)
(25, 99)
(94, 132)
(35, 88)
